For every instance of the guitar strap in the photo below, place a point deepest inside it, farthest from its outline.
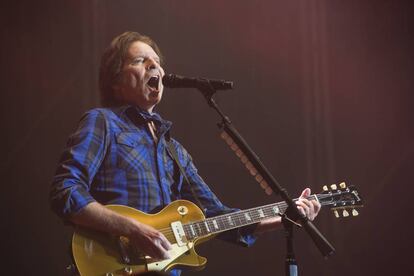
(173, 152)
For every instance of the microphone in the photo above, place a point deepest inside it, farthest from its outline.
(176, 81)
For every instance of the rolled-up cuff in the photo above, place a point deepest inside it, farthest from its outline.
(243, 236)
(71, 201)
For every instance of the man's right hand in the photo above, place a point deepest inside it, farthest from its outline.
(149, 240)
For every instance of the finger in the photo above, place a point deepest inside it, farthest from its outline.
(317, 206)
(301, 210)
(307, 202)
(165, 243)
(304, 207)
(155, 251)
(305, 193)
(162, 252)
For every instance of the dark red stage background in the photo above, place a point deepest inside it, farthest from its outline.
(323, 93)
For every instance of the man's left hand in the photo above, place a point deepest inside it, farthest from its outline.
(310, 208)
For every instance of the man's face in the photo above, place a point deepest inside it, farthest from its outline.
(140, 82)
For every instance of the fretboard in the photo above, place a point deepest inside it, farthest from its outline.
(235, 220)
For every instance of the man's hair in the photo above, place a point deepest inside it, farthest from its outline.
(112, 62)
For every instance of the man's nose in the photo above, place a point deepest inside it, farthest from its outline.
(152, 64)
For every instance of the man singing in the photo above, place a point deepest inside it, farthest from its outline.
(119, 155)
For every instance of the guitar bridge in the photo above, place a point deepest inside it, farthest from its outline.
(179, 233)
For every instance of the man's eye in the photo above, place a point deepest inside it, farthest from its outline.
(138, 60)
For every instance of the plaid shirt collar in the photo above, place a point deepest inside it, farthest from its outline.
(140, 117)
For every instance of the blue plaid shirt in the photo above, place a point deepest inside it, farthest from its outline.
(112, 159)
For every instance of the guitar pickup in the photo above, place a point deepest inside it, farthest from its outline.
(179, 233)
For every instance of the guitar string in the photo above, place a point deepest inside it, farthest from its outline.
(254, 219)
(201, 232)
(170, 236)
(241, 215)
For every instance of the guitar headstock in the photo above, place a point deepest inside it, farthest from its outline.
(342, 200)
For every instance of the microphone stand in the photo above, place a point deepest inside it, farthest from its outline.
(319, 240)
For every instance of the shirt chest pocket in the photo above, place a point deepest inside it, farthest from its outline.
(134, 153)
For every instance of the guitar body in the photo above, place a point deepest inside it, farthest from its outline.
(96, 253)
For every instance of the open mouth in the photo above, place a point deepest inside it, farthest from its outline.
(153, 82)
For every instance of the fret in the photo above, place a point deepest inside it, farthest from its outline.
(187, 234)
(207, 228)
(202, 225)
(252, 215)
(261, 213)
(221, 223)
(192, 230)
(230, 220)
(199, 227)
(247, 216)
(215, 224)
(275, 210)
(188, 231)
(234, 220)
(239, 219)
(266, 211)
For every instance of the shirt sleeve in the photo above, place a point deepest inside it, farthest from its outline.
(78, 165)
(201, 194)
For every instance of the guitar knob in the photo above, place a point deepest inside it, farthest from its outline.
(182, 210)
(355, 212)
(342, 185)
(345, 213)
(128, 270)
(109, 274)
(325, 188)
(336, 213)
(333, 187)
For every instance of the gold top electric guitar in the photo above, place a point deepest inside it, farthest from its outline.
(185, 226)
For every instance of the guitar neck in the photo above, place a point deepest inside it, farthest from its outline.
(237, 219)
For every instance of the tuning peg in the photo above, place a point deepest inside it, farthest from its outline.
(354, 213)
(345, 214)
(336, 213)
(333, 187)
(325, 188)
(342, 185)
